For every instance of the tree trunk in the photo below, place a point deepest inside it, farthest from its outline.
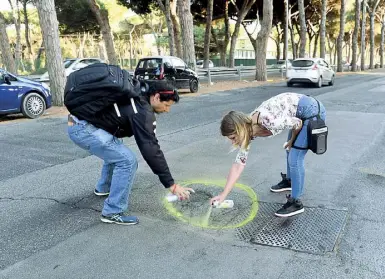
(382, 43)
(363, 35)
(187, 26)
(101, 16)
(348, 59)
(241, 14)
(156, 38)
(26, 25)
(170, 28)
(82, 44)
(302, 20)
(372, 15)
(6, 53)
(284, 44)
(234, 38)
(262, 39)
(16, 20)
(50, 29)
(316, 45)
(130, 43)
(322, 32)
(335, 51)
(330, 48)
(219, 47)
(277, 44)
(310, 40)
(293, 46)
(39, 54)
(355, 36)
(341, 36)
(176, 26)
(206, 52)
(227, 34)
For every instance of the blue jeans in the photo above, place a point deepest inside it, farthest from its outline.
(120, 164)
(307, 107)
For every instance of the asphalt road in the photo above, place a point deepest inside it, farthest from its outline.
(50, 224)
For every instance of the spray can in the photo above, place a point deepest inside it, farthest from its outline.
(171, 197)
(224, 204)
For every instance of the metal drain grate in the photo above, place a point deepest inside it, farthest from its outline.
(314, 231)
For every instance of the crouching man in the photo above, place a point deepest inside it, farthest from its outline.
(102, 138)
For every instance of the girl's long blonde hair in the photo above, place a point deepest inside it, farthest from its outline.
(240, 124)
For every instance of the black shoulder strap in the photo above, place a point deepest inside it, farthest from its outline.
(316, 115)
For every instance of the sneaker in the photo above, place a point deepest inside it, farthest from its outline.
(284, 185)
(120, 219)
(290, 208)
(96, 192)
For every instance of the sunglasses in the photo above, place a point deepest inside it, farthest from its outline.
(166, 92)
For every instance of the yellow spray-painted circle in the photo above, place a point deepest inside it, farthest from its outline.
(248, 190)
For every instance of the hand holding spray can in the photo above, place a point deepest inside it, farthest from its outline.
(224, 204)
(171, 197)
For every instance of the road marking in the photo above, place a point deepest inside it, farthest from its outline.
(203, 221)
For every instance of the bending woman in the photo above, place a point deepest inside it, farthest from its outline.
(276, 114)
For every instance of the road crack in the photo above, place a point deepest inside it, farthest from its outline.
(72, 205)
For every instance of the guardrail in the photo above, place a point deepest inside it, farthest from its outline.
(232, 72)
(206, 73)
(219, 72)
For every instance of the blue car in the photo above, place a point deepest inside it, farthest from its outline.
(23, 95)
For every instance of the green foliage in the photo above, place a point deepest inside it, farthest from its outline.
(163, 41)
(141, 7)
(75, 16)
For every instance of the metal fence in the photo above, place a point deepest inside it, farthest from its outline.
(231, 72)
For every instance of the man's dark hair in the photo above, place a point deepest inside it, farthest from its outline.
(166, 89)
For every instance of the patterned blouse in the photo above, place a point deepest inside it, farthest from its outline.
(276, 114)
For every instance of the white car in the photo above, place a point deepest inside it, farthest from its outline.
(281, 64)
(72, 65)
(200, 64)
(310, 70)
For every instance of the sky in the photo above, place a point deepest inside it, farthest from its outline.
(4, 5)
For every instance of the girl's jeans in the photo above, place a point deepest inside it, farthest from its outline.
(119, 167)
(307, 107)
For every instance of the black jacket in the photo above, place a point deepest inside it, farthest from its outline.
(137, 120)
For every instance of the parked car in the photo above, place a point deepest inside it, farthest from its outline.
(72, 65)
(310, 70)
(18, 94)
(200, 63)
(281, 64)
(167, 67)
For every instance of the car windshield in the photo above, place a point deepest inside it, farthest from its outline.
(150, 63)
(68, 63)
(302, 63)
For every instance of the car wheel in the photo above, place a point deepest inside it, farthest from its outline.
(289, 84)
(331, 83)
(194, 85)
(320, 82)
(33, 105)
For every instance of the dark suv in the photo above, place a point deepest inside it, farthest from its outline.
(167, 67)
